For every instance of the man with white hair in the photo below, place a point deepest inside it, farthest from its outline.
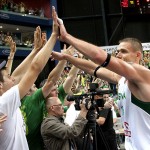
(55, 133)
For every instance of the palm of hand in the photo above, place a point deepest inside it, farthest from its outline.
(37, 38)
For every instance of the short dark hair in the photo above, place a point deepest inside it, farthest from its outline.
(136, 43)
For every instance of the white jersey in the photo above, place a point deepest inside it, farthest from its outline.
(135, 117)
(13, 135)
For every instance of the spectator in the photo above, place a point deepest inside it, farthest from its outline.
(55, 133)
(107, 98)
(105, 122)
(64, 88)
(26, 107)
(33, 104)
(13, 135)
(33, 108)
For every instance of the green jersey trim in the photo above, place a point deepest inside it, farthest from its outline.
(143, 105)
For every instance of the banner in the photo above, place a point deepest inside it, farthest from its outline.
(109, 49)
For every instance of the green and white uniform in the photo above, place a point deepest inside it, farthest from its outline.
(135, 116)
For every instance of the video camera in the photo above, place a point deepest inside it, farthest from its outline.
(89, 97)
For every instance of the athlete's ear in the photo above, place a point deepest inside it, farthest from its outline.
(139, 54)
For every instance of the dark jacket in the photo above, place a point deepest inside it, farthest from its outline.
(57, 135)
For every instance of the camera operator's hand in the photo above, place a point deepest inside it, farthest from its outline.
(83, 111)
(109, 103)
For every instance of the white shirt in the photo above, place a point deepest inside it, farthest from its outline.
(13, 135)
(71, 115)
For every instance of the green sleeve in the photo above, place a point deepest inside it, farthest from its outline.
(62, 96)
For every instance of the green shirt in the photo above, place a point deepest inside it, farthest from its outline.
(62, 96)
(33, 108)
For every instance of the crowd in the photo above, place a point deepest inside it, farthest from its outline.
(43, 118)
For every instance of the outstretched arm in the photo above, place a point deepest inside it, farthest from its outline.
(37, 65)
(72, 73)
(20, 71)
(53, 76)
(136, 75)
(89, 67)
(98, 56)
(70, 79)
(12, 45)
(56, 72)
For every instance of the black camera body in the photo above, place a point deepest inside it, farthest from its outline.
(77, 99)
(86, 97)
(93, 87)
(89, 97)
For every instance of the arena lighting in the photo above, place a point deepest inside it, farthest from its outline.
(130, 3)
(124, 3)
(135, 6)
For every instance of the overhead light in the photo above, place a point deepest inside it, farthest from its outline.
(17, 29)
(1, 27)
